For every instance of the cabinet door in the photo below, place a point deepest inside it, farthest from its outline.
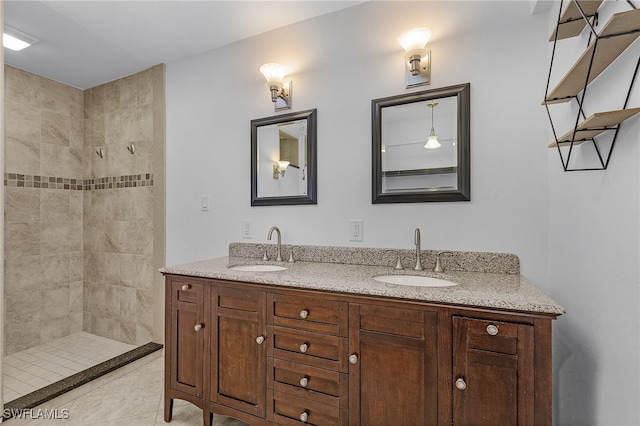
(187, 336)
(493, 373)
(393, 366)
(239, 342)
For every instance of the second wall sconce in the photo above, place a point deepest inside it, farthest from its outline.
(417, 58)
(279, 168)
(280, 90)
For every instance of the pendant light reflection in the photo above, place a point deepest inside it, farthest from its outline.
(432, 140)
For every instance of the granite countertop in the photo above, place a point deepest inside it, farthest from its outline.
(511, 292)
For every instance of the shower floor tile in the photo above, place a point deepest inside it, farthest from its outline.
(45, 364)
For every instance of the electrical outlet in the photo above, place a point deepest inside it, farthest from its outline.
(204, 203)
(356, 230)
(246, 230)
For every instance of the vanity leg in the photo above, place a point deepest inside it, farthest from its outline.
(208, 417)
(168, 408)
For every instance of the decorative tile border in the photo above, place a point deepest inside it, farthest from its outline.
(128, 181)
(52, 182)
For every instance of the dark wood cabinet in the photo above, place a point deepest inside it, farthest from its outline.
(185, 331)
(393, 366)
(238, 356)
(493, 373)
(267, 355)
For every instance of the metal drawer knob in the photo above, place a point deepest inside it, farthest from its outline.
(185, 287)
(353, 358)
(304, 417)
(197, 327)
(304, 382)
(492, 330)
(304, 347)
(304, 313)
(259, 340)
(461, 384)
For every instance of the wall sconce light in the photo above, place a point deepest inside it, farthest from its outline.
(417, 58)
(280, 90)
(279, 168)
(432, 140)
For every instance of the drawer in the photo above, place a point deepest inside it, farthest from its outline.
(316, 349)
(186, 292)
(307, 313)
(324, 386)
(292, 410)
(492, 336)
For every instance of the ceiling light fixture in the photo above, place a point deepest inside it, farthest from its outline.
(16, 40)
(280, 90)
(432, 140)
(417, 58)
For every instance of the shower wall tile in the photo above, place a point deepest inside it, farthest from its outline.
(23, 273)
(79, 228)
(22, 122)
(55, 128)
(23, 156)
(55, 270)
(54, 205)
(21, 204)
(21, 239)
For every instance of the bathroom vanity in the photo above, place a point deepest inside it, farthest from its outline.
(325, 344)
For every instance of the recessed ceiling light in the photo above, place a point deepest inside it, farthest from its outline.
(16, 40)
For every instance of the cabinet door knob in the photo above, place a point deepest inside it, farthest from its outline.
(304, 347)
(197, 327)
(304, 417)
(259, 340)
(304, 382)
(461, 384)
(185, 287)
(353, 359)
(492, 330)
(304, 313)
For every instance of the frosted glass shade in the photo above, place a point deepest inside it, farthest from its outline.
(415, 39)
(273, 73)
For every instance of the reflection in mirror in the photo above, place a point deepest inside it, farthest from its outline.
(421, 146)
(283, 155)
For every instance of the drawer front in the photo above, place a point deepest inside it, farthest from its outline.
(187, 292)
(492, 336)
(307, 313)
(325, 386)
(319, 350)
(292, 410)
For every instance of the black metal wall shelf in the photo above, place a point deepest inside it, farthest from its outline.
(602, 50)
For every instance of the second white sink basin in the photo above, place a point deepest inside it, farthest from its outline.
(258, 268)
(414, 280)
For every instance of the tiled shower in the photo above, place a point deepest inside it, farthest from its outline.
(82, 224)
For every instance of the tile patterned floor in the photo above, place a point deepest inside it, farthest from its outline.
(39, 366)
(135, 398)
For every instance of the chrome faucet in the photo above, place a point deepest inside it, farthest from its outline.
(278, 246)
(416, 241)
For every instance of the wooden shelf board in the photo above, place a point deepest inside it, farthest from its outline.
(594, 125)
(571, 21)
(608, 50)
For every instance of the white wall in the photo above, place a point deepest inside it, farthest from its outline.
(594, 251)
(341, 62)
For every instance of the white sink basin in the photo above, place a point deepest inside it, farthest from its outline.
(258, 268)
(414, 280)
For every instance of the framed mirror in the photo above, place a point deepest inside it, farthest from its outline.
(420, 145)
(283, 159)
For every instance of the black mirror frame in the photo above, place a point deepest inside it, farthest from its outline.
(463, 193)
(312, 184)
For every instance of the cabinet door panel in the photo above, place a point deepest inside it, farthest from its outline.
(187, 349)
(238, 366)
(498, 386)
(394, 381)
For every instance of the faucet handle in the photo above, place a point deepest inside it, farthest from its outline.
(438, 267)
(291, 259)
(265, 257)
(398, 263)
